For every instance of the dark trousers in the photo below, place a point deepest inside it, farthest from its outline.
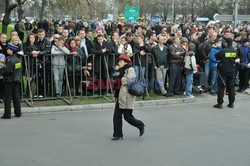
(174, 79)
(117, 120)
(1, 89)
(229, 81)
(74, 79)
(44, 83)
(244, 78)
(12, 91)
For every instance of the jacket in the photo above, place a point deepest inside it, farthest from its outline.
(205, 50)
(125, 99)
(58, 55)
(190, 61)
(28, 48)
(227, 58)
(44, 47)
(127, 48)
(137, 49)
(241, 53)
(175, 59)
(156, 51)
(213, 61)
(99, 56)
(13, 71)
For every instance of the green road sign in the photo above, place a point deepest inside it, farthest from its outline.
(132, 13)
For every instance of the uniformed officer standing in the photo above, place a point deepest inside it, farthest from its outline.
(12, 75)
(228, 59)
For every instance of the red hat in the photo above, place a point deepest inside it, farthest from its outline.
(126, 58)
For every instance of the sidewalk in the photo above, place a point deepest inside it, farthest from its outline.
(199, 98)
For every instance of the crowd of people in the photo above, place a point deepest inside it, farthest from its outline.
(173, 59)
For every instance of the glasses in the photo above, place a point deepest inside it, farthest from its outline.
(89, 65)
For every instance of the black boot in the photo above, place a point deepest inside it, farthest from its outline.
(142, 130)
(116, 138)
(219, 106)
(230, 105)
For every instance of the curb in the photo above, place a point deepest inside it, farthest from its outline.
(94, 107)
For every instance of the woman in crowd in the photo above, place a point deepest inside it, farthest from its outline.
(74, 64)
(31, 50)
(124, 47)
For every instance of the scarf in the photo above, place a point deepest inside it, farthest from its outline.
(119, 77)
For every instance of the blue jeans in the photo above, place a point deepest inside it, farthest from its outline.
(189, 85)
(140, 73)
(207, 72)
(214, 80)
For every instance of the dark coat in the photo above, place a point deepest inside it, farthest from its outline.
(156, 53)
(44, 47)
(137, 49)
(227, 58)
(175, 59)
(13, 71)
(99, 56)
(28, 48)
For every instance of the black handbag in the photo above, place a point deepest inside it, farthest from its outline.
(136, 87)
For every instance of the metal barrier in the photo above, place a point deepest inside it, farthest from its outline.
(39, 79)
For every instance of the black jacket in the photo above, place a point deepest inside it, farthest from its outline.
(175, 59)
(99, 56)
(4, 49)
(13, 71)
(227, 58)
(89, 46)
(31, 61)
(44, 47)
(137, 49)
(156, 53)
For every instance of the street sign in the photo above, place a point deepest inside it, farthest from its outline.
(229, 18)
(156, 19)
(131, 13)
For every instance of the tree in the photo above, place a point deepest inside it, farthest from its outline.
(8, 8)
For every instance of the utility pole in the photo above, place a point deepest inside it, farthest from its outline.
(236, 8)
(173, 4)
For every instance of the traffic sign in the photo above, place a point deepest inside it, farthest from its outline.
(131, 13)
(230, 18)
(156, 19)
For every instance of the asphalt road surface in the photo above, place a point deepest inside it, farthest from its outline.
(179, 135)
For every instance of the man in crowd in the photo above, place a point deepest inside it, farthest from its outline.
(204, 56)
(3, 44)
(86, 44)
(160, 53)
(101, 49)
(44, 63)
(176, 55)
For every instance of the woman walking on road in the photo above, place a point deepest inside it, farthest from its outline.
(125, 101)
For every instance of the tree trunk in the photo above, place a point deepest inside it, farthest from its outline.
(44, 3)
(6, 20)
(20, 13)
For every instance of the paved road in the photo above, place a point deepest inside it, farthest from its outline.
(180, 135)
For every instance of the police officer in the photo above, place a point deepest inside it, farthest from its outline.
(12, 75)
(228, 59)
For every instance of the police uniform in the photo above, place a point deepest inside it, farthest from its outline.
(226, 68)
(12, 75)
